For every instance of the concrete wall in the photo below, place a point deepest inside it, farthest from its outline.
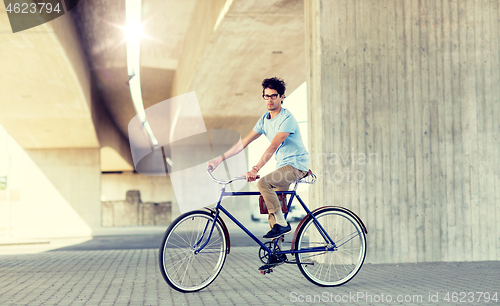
(73, 173)
(152, 188)
(53, 192)
(134, 212)
(157, 200)
(415, 84)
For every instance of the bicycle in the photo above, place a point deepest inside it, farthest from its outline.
(329, 243)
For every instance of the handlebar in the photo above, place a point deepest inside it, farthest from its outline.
(225, 182)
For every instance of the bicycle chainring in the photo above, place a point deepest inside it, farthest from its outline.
(263, 254)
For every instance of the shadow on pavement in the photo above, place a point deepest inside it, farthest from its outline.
(144, 241)
(153, 241)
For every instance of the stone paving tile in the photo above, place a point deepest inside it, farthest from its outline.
(132, 277)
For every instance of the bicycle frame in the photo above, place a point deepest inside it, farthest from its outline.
(293, 194)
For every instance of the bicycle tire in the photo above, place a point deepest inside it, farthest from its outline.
(181, 268)
(331, 268)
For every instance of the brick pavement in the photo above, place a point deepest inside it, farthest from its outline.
(132, 277)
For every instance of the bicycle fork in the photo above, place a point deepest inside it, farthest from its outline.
(195, 248)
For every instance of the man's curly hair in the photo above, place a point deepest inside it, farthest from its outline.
(274, 83)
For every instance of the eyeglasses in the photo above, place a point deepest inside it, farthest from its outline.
(272, 97)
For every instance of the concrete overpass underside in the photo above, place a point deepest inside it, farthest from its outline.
(413, 84)
(66, 101)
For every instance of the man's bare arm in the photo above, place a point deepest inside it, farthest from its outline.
(277, 140)
(235, 149)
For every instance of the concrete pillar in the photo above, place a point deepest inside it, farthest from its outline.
(319, 122)
(402, 101)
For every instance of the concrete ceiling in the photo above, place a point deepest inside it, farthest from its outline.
(182, 53)
(257, 39)
(165, 24)
(45, 86)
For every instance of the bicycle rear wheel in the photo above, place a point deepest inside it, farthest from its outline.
(184, 269)
(331, 268)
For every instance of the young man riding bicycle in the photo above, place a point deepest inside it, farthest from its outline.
(281, 128)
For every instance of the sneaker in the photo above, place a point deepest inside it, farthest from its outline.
(278, 230)
(273, 262)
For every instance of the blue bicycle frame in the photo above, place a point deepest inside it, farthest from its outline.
(331, 244)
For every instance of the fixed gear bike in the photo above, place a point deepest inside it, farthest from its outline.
(329, 243)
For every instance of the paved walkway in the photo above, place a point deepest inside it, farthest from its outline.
(132, 277)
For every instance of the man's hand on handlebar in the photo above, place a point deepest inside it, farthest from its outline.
(212, 165)
(251, 175)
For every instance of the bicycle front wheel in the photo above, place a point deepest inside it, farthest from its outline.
(337, 267)
(182, 266)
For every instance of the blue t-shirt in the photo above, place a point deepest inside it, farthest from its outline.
(291, 151)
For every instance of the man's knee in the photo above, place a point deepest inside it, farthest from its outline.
(261, 184)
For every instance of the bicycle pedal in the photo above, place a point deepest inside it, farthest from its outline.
(266, 271)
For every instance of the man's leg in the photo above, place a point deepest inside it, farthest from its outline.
(281, 180)
(270, 217)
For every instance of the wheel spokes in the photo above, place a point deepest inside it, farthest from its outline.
(185, 269)
(329, 267)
